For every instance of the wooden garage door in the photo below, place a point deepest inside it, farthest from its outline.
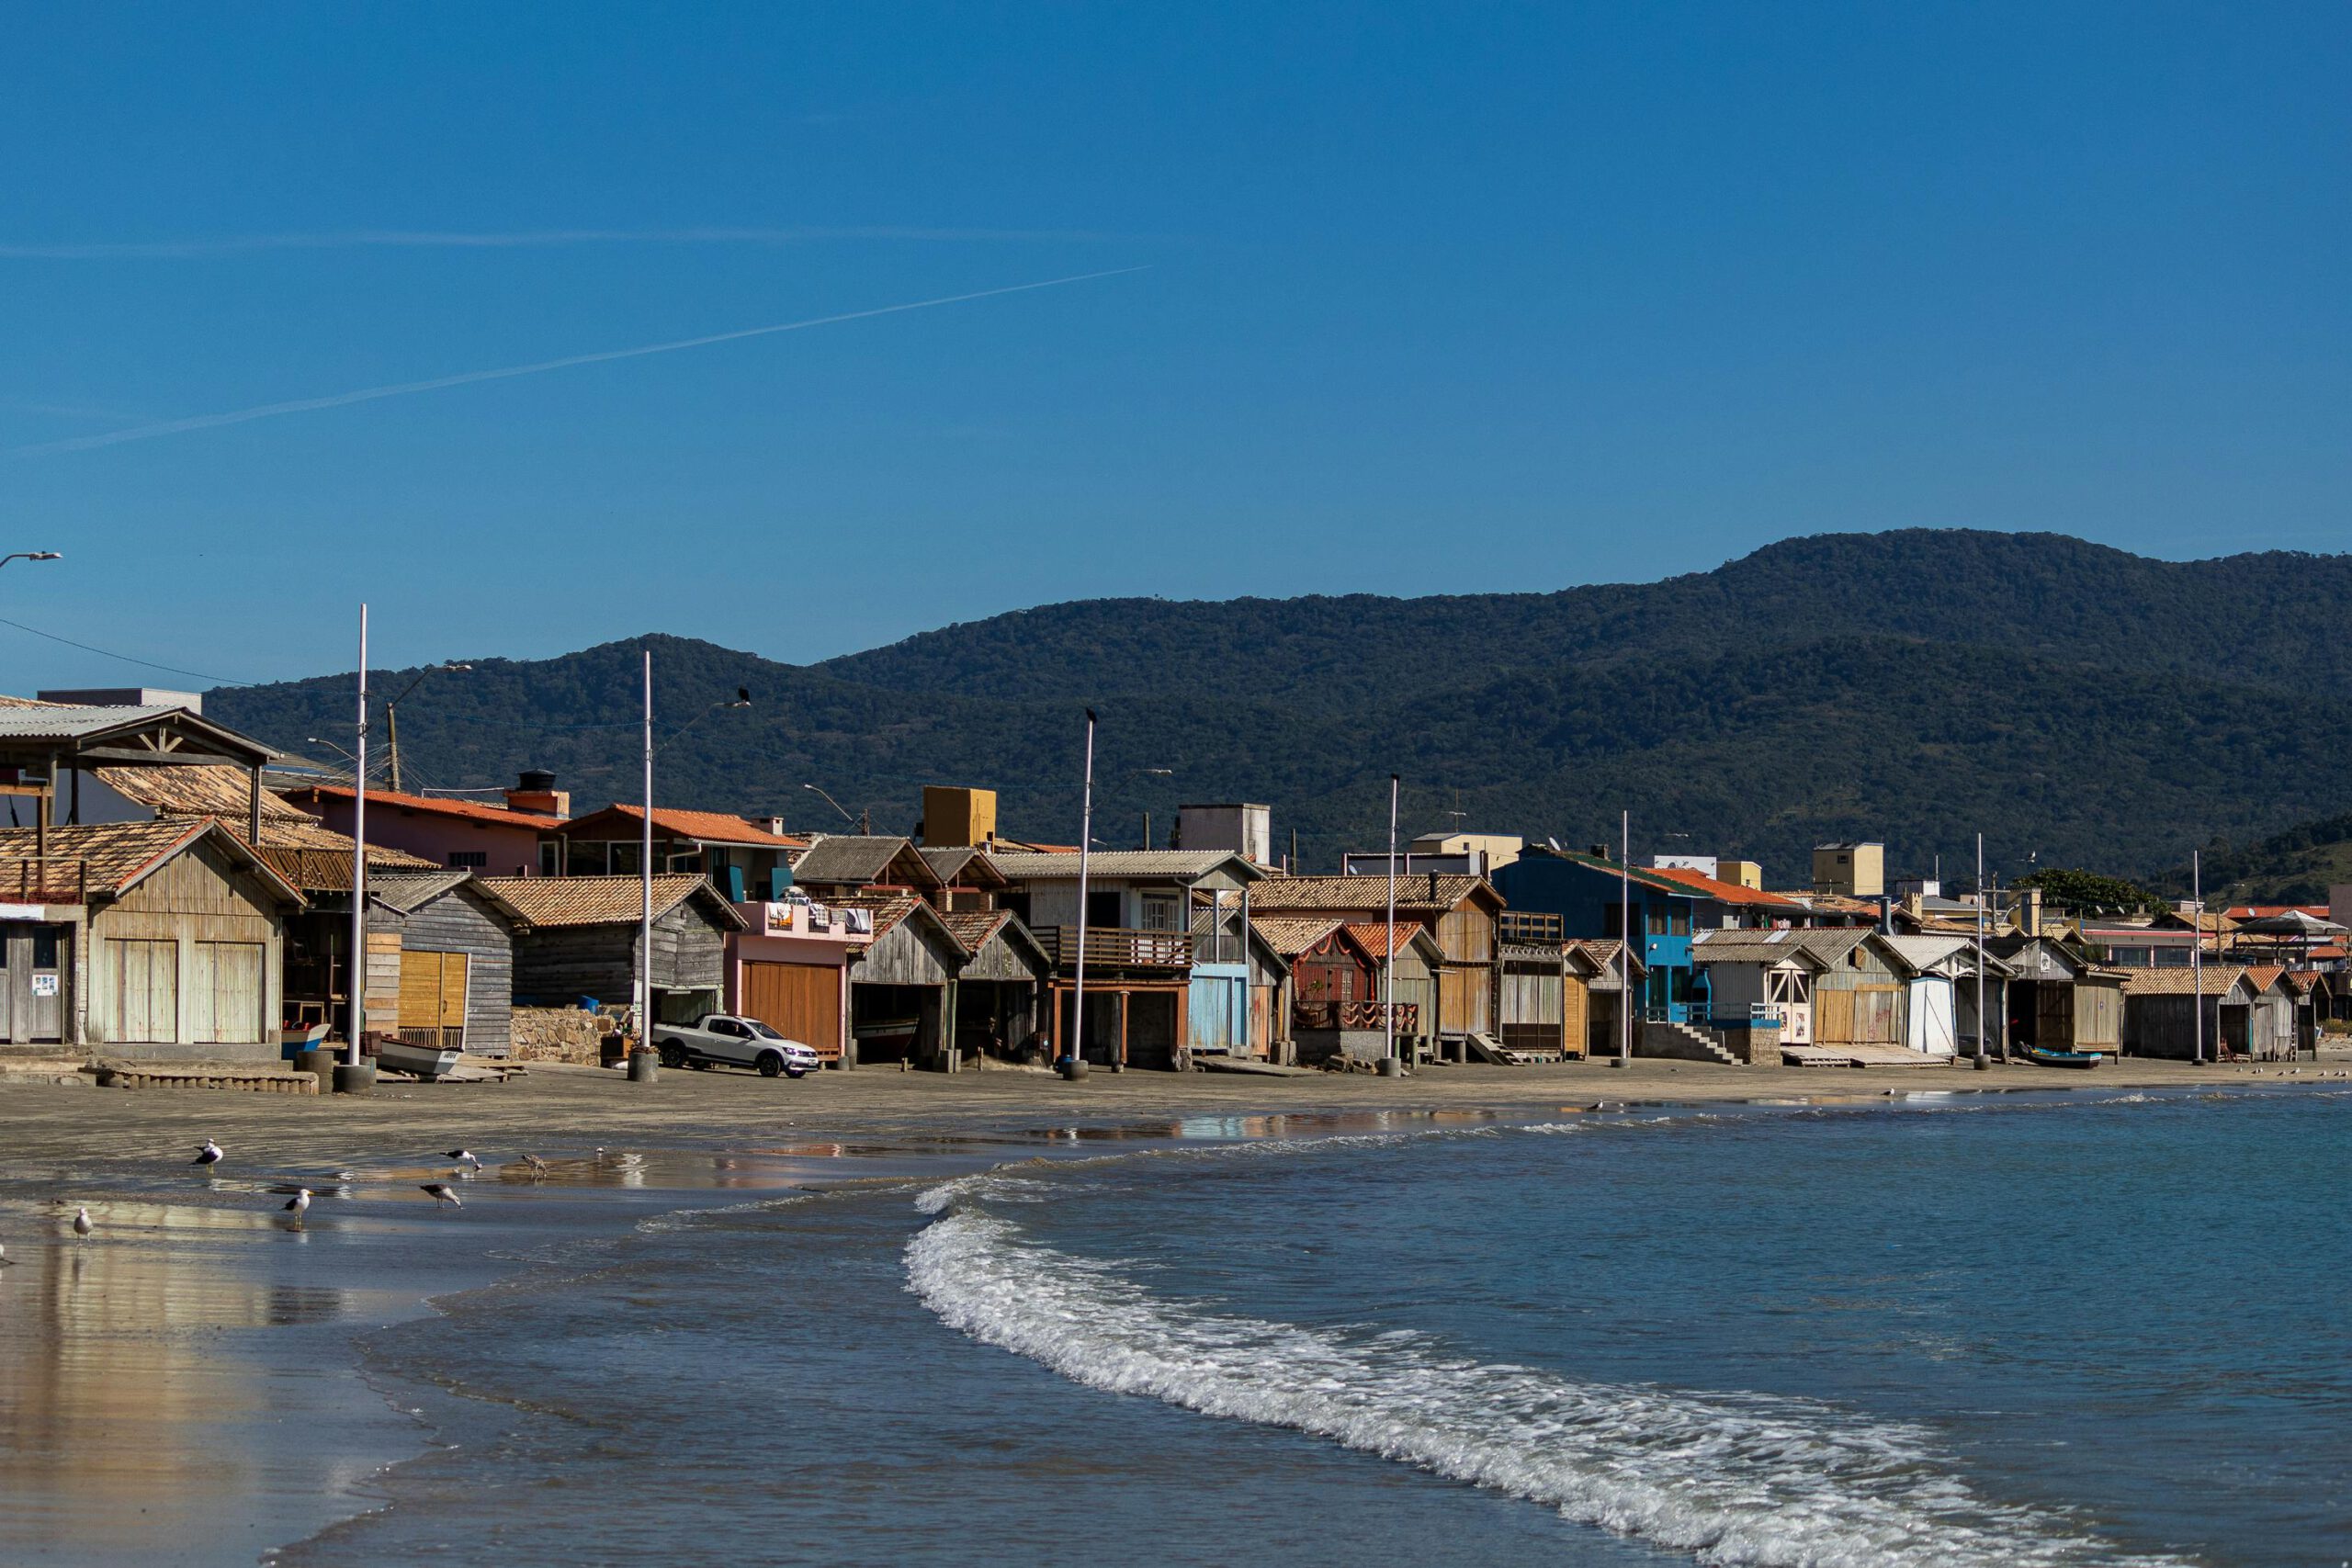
(800, 1002)
(225, 994)
(433, 998)
(146, 992)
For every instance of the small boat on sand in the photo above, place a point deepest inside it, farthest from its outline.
(2041, 1058)
(423, 1061)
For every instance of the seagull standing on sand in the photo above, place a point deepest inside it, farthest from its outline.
(209, 1154)
(442, 1193)
(299, 1204)
(5, 1261)
(82, 1225)
(466, 1158)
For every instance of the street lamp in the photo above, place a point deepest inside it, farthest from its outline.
(866, 825)
(743, 700)
(391, 716)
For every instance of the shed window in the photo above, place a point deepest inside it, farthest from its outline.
(469, 859)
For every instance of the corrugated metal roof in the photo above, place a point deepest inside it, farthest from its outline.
(66, 726)
(856, 860)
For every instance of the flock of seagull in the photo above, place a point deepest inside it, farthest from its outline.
(297, 1199)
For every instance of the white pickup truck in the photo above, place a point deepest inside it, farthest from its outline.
(722, 1038)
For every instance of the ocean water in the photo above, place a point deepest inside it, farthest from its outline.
(1963, 1329)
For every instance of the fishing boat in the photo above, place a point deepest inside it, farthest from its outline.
(2041, 1058)
(297, 1038)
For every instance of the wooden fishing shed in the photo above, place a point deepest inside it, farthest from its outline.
(581, 940)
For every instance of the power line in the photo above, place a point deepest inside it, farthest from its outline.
(125, 658)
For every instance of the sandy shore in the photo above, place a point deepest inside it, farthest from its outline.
(198, 1357)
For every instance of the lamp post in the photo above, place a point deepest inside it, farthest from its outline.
(645, 878)
(359, 976)
(391, 716)
(1980, 1062)
(862, 821)
(1388, 963)
(2197, 950)
(1625, 935)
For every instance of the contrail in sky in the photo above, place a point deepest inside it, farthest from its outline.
(467, 378)
(363, 239)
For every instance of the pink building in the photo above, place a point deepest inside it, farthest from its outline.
(790, 968)
(495, 840)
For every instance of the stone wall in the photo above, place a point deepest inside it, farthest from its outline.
(557, 1034)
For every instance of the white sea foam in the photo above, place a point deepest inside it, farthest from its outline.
(1733, 1478)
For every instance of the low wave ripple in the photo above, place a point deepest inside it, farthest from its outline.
(1733, 1478)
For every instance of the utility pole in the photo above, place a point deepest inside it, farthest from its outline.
(358, 977)
(2197, 952)
(645, 878)
(1625, 932)
(1980, 946)
(1388, 964)
(1085, 846)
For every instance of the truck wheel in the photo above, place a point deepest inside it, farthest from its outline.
(770, 1064)
(673, 1054)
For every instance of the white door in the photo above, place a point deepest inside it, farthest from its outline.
(1930, 1029)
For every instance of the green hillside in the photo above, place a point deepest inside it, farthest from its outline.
(2079, 703)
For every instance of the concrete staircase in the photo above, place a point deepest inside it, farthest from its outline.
(1685, 1043)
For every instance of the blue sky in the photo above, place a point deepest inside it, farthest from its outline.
(1441, 299)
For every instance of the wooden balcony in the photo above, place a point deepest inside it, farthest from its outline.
(1356, 1015)
(1114, 947)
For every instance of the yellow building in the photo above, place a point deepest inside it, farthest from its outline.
(1849, 871)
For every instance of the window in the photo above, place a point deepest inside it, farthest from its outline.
(1160, 911)
(472, 860)
(549, 865)
(1613, 922)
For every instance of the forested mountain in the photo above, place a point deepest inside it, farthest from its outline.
(2075, 703)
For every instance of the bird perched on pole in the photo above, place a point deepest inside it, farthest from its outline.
(442, 1193)
(298, 1205)
(209, 1154)
(82, 1225)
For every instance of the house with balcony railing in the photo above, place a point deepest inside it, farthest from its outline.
(1165, 974)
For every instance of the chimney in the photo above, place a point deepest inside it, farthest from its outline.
(1600, 851)
(535, 792)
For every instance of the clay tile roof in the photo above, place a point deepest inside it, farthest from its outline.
(973, 927)
(887, 908)
(1420, 892)
(108, 858)
(1289, 935)
(1376, 936)
(705, 827)
(2182, 981)
(433, 806)
(599, 900)
(1724, 892)
(2262, 977)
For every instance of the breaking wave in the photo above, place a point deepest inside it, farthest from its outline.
(1733, 1478)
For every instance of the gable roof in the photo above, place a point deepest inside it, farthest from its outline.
(198, 789)
(27, 724)
(1786, 945)
(604, 900)
(2181, 980)
(856, 860)
(965, 865)
(410, 891)
(1604, 955)
(1289, 935)
(112, 858)
(975, 928)
(1423, 892)
(1172, 865)
(702, 826)
(428, 806)
(1376, 937)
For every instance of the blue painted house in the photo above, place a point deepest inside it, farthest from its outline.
(1589, 892)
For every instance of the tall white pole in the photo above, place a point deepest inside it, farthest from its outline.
(359, 976)
(645, 878)
(1980, 949)
(1625, 929)
(1085, 850)
(2197, 952)
(1388, 964)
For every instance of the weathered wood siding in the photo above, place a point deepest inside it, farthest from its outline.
(556, 964)
(188, 962)
(462, 921)
(913, 953)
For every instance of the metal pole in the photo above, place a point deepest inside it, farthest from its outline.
(645, 877)
(358, 978)
(1388, 964)
(1085, 844)
(1980, 949)
(1625, 930)
(392, 740)
(2197, 952)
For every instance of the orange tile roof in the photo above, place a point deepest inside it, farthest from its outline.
(2266, 911)
(2262, 977)
(1723, 892)
(1289, 935)
(1376, 936)
(705, 827)
(472, 810)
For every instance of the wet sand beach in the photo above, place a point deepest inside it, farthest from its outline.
(184, 1386)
